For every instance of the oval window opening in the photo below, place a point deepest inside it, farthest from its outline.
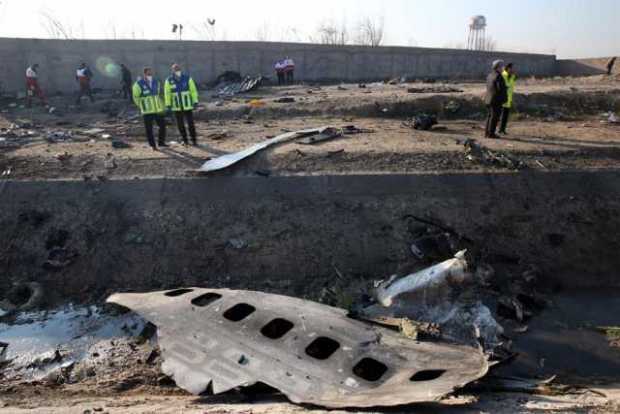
(428, 375)
(178, 292)
(239, 312)
(370, 369)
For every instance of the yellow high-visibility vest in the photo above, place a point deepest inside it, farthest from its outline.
(511, 81)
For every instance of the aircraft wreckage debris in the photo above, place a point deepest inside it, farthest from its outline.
(227, 160)
(218, 340)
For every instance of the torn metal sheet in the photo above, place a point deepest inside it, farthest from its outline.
(453, 269)
(326, 135)
(218, 340)
(227, 160)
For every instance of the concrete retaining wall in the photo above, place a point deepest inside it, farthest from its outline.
(585, 67)
(206, 60)
(292, 232)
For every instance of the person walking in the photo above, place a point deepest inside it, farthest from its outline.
(147, 95)
(510, 78)
(496, 97)
(181, 97)
(126, 82)
(32, 86)
(83, 76)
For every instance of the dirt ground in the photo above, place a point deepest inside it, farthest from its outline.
(552, 135)
(560, 124)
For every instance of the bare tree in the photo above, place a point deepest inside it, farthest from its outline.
(263, 32)
(489, 44)
(55, 28)
(290, 34)
(454, 45)
(111, 30)
(370, 32)
(331, 33)
(207, 30)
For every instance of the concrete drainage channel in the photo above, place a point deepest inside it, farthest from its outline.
(327, 239)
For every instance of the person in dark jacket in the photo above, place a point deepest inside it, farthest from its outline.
(496, 97)
(610, 65)
(126, 82)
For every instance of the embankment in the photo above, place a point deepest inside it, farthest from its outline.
(83, 240)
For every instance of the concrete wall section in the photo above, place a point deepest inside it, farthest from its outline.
(585, 67)
(206, 60)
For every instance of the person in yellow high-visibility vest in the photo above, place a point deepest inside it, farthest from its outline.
(510, 77)
(147, 92)
(181, 97)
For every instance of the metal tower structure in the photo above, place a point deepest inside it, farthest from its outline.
(476, 39)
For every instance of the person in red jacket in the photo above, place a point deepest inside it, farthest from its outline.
(32, 86)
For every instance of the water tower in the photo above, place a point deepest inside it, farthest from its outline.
(476, 39)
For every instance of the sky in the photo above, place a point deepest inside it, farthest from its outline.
(568, 28)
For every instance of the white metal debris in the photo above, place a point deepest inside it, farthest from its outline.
(227, 160)
(453, 269)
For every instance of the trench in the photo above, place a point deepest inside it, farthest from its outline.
(82, 241)
(286, 234)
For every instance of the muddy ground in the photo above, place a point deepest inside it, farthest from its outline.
(558, 125)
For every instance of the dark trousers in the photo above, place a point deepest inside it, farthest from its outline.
(85, 91)
(505, 117)
(181, 116)
(290, 76)
(127, 92)
(492, 119)
(281, 80)
(149, 121)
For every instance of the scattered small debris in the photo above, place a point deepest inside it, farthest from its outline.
(237, 244)
(477, 153)
(612, 333)
(453, 107)
(334, 153)
(263, 173)
(93, 132)
(118, 144)
(422, 122)
(435, 89)
(218, 135)
(110, 162)
(64, 157)
(59, 136)
(326, 135)
(59, 258)
(511, 308)
(352, 130)
(231, 86)
(286, 99)
(521, 385)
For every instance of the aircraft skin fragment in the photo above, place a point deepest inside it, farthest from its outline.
(312, 353)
